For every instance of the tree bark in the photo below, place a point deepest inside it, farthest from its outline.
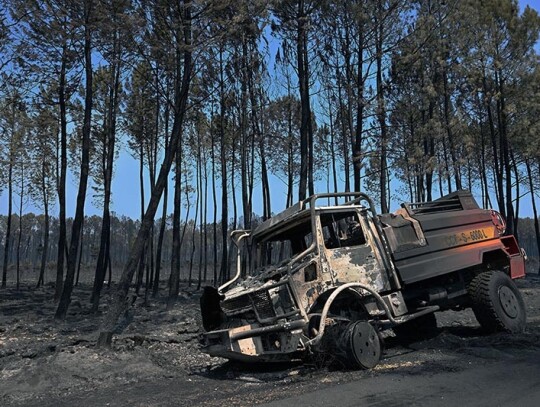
(45, 246)
(80, 255)
(65, 298)
(223, 159)
(163, 223)
(140, 266)
(381, 109)
(174, 280)
(358, 138)
(306, 135)
(10, 210)
(109, 146)
(61, 187)
(21, 201)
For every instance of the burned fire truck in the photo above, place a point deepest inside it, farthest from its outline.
(329, 274)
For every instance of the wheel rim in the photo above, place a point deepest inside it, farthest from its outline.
(509, 302)
(366, 345)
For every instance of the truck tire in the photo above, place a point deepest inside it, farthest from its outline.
(497, 302)
(354, 345)
(361, 344)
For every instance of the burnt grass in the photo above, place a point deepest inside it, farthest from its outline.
(155, 359)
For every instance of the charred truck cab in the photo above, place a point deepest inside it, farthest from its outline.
(328, 274)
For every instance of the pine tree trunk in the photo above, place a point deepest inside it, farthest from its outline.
(174, 279)
(214, 201)
(10, 210)
(305, 123)
(246, 210)
(65, 298)
(381, 110)
(358, 139)
(159, 249)
(109, 148)
(199, 206)
(223, 159)
(505, 156)
(498, 174)
(163, 224)
(18, 255)
(518, 196)
(45, 246)
(80, 255)
(140, 267)
(204, 219)
(61, 187)
(181, 96)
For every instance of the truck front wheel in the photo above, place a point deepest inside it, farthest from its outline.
(361, 344)
(497, 302)
(356, 345)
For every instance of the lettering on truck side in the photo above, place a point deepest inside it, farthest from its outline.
(474, 235)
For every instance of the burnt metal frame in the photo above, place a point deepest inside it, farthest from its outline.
(238, 235)
(359, 197)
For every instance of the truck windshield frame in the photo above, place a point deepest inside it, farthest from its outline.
(279, 247)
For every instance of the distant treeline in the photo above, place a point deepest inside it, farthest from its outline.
(198, 258)
(200, 251)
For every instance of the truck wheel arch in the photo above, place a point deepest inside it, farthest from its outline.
(349, 295)
(495, 259)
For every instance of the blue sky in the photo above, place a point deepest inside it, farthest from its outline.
(126, 192)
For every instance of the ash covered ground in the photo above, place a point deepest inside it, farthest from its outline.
(155, 360)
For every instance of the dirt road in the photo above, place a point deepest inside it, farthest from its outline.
(512, 382)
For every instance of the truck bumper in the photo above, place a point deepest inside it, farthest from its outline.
(252, 343)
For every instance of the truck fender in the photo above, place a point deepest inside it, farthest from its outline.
(508, 255)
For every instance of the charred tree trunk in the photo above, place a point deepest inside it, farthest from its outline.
(163, 223)
(161, 236)
(174, 280)
(45, 246)
(181, 96)
(381, 109)
(61, 187)
(80, 255)
(8, 226)
(223, 159)
(506, 159)
(306, 139)
(21, 201)
(246, 209)
(450, 133)
(498, 173)
(357, 145)
(65, 298)
(199, 207)
(109, 146)
(214, 201)
(140, 266)
(518, 196)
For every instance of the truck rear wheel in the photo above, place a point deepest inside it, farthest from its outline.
(497, 302)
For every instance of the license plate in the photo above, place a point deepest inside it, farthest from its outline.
(470, 236)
